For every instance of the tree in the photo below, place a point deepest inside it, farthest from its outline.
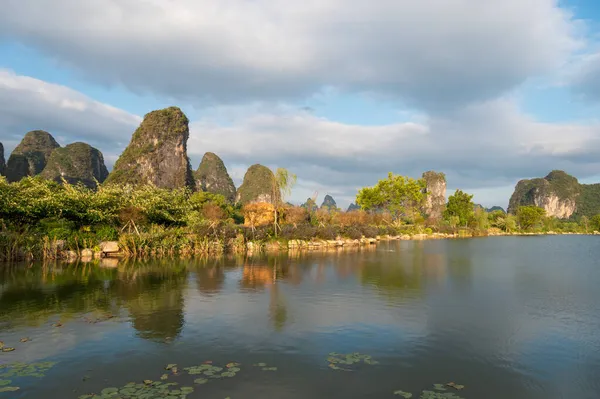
(283, 182)
(461, 205)
(481, 219)
(595, 222)
(530, 216)
(399, 195)
(585, 222)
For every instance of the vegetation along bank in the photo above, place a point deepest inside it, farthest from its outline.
(62, 203)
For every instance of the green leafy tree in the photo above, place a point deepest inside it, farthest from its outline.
(530, 216)
(595, 222)
(482, 221)
(461, 205)
(585, 223)
(401, 196)
(283, 182)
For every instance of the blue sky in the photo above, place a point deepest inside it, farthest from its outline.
(487, 92)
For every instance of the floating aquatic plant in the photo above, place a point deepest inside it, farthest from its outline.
(336, 359)
(265, 367)
(433, 394)
(208, 370)
(147, 389)
(21, 370)
(438, 395)
(25, 370)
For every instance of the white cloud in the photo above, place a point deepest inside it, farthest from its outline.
(431, 53)
(482, 148)
(29, 104)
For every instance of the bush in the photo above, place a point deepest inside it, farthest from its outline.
(370, 231)
(328, 232)
(107, 233)
(352, 232)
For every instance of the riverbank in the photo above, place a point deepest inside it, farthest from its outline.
(111, 251)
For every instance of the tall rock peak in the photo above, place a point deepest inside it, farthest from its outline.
(30, 157)
(435, 189)
(157, 153)
(2, 162)
(258, 186)
(353, 207)
(558, 193)
(212, 177)
(76, 163)
(329, 203)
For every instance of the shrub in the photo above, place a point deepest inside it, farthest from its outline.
(352, 232)
(328, 232)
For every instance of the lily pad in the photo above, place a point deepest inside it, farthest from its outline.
(200, 381)
(269, 368)
(170, 366)
(109, 391)
(406, 395)
(164, 377)
(4, 382)
(9, 389)
(7, 349)
(439, 387)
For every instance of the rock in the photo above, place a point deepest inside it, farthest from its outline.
(212, 177)
(87, 253)
(559, 193)
(109, 247)
(435, 189)
(258, 186)
(329, 203)
(157, 153)
(353, 207)
(76, 163)
(2, 161)
(30, 157)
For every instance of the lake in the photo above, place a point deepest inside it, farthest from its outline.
(507, 317)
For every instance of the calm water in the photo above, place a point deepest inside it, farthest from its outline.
(507, 317)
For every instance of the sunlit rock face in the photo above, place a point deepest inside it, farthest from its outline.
(157, 153)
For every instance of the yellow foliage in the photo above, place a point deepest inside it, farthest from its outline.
(258, 214)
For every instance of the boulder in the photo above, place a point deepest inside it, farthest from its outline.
(76, 163)
(157, 153)
(212, 177)
(30, 157)
(109, 247)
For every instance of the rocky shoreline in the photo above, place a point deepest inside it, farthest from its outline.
(111, 249)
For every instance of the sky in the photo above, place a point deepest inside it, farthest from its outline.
(339, 93)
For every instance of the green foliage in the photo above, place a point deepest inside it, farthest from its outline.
(258, 182)
(588, 202)
(595, 222)
(460, 205)
(399, 195)
(530, 216)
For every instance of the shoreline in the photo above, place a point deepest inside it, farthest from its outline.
(112, 250)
